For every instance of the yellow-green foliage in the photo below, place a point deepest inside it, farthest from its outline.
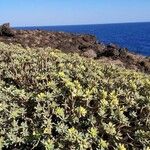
(64, 101)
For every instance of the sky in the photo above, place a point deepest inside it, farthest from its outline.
(73, 12)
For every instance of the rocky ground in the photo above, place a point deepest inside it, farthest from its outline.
(85, 45)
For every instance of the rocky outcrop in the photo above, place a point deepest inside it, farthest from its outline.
(5, 30)
(90, 53)
(85, 45)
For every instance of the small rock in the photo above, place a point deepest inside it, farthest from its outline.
(113, 46)
(89, 38)
(111, 53)
(90, 54)
(123, 52)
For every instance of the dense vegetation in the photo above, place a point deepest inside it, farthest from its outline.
(51, 100)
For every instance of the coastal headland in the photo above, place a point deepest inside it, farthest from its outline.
(85, 45)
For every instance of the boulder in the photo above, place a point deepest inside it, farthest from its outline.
(90, 54)
(100, 49)
(111, 52)
(123, 52)
(5, 30)
(145, 65)
(113, 46)
(89, 38)
(0, 30)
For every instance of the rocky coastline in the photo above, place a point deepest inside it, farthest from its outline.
(85, 45)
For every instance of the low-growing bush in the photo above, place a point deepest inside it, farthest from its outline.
(51, 100)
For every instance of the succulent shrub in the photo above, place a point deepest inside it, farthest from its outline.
(53, 100)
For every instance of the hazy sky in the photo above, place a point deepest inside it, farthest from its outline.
(64, 12)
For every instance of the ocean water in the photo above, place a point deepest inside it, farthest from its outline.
(134, 36)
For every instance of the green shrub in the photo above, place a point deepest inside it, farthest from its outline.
(63, 101)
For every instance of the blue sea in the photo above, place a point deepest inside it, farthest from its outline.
(134, 36)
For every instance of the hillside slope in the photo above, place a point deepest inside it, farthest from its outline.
(52, 100)
(85, 45)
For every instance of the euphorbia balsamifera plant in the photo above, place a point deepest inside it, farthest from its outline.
(51, 100)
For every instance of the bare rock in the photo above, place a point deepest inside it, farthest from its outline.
(90, 54)
(5, 30)
(145, 65)
(111, 52)
(123, 52)
(112, 46)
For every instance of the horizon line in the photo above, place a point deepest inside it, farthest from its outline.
(79, 24)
